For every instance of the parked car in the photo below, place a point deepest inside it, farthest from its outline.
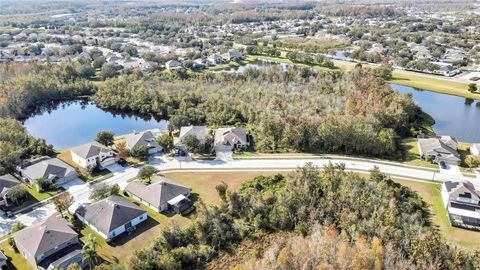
(8, 214)
(122, 162)
(443, 165)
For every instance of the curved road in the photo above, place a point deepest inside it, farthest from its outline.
(81, 191)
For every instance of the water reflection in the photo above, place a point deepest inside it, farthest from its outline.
(453, 115)
(70, 123)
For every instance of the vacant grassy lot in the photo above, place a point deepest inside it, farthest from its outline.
(430, 192)
(203, 183)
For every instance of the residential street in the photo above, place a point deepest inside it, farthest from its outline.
(81, 191)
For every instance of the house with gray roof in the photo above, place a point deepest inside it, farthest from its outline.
(231, 138)
(233, 55)
(161, 195)
(440, 148)
(145, 138)
(53, 169)
(173, 64)
(47, 241)
(215, 59)
(200, 132)
(462, 202)
(93, 155)
(111, 216)
(7, 181)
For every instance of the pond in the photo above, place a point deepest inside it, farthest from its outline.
(455, 116)
(68, 124)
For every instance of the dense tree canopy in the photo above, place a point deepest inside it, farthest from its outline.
(388, 223)
(296, 110)
(23, 86)
(16, 145)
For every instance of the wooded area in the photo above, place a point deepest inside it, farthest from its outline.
(296, 110)
(354, 211)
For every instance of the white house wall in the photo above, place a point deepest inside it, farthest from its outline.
(120, 230)
(444, 195)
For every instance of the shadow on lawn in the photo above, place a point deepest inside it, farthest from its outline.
(141, 228)
(408, 153)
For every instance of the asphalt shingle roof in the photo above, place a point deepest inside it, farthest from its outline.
(141, 138)
(45, 235)
(158, 193)
(7, 181)
(110, 213)
(44, 167)
(89, 150)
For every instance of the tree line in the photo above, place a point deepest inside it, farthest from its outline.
(387, 223)
(293, 110)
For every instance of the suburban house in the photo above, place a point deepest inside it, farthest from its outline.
(215, 59)
(445, 69)
(161, 195)
(93, 155)
(49, 243)
(462, 201)
(441, 148)
(111, 216)
(231, 138)
(200, 132)
(7, 181)
(53, 169)
(233, 55)
(475, 149)
(173, 64)
(146, 138)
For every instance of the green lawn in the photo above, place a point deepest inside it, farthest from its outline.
(15, 260)
(432, 83)
(412, 155)
(203, 183)
(39, 196)
(430, 192)
(122, 247)
(33, 196)
(66, 157)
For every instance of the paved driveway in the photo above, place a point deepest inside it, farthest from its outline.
(451, 170)
(27, 218)
(224, 155)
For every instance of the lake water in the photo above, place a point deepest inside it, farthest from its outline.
(455, 116)
(70, 124)
(74, 123)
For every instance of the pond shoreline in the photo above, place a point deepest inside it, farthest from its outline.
(73, 122)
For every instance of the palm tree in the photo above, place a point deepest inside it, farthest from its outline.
(89, 251)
